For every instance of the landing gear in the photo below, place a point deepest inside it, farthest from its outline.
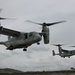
(38, 43)
(24, 49)
(64, 57)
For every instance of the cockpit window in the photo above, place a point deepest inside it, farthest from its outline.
(26, 36)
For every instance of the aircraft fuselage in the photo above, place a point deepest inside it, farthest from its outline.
(23, 41)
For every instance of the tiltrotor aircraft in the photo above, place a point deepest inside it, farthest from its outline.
(72, 68)
(17, 39)
(62, 52)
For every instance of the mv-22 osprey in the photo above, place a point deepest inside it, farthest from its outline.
(17, 39)
(63, 52)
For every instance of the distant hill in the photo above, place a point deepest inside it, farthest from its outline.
(8, 70)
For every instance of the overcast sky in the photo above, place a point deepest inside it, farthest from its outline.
(39, 58)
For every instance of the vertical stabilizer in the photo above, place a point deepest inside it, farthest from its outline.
(53, 53)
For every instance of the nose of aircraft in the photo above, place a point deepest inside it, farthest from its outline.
(38, 37)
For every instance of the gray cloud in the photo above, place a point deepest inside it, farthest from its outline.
(38, 57)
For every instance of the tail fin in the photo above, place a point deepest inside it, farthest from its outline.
(53, 53)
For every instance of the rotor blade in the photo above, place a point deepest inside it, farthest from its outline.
(72, 46)
(1, 18)
(46, 24)
(58, 44)
(33, 22)
(50, 24)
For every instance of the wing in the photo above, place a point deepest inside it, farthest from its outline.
(42, 33)
(9, 32)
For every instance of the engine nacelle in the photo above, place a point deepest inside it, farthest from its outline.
(46, 35)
